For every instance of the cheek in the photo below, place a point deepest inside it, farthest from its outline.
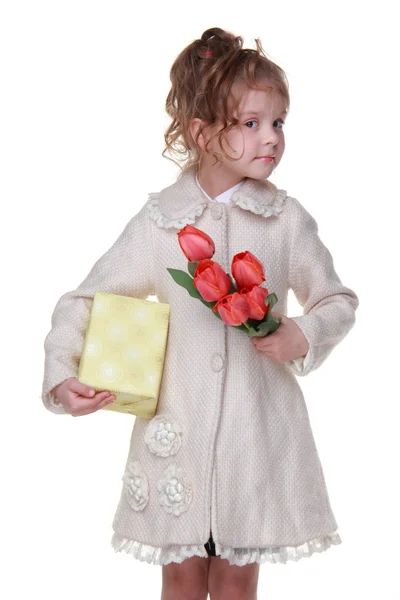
(251, 145)
(234, 142)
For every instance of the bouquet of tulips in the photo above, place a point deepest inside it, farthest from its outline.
(247, 306)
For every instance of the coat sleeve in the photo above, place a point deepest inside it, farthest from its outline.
(127, 268)
(328, 306)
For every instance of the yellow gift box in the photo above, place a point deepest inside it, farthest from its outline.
(124, 351)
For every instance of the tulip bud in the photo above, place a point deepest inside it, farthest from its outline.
(233, 309)
(256, 301)
(195, 244)
(211, 281)
(247, 270)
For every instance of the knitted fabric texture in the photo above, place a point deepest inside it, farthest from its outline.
(245, 465)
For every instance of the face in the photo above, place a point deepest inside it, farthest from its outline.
(258, 135)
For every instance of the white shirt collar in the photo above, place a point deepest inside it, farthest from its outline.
(224, 196)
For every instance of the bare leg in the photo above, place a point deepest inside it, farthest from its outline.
(186, 580)
(230, 582)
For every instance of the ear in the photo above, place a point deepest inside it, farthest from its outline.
(194, 127)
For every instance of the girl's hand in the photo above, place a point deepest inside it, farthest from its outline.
(286, 343)
(76, 400)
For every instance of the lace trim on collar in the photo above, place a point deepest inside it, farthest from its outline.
(258, 206)
(164, 221)
(246, 202)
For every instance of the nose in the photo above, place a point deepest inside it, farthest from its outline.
(270, 135)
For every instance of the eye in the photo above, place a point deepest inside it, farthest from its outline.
(248, 124)
(252, 121)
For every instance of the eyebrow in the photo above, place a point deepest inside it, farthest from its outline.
(256, 112)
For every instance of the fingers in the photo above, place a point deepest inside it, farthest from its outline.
(81, 388)
(81, 406)
(261, 342)
(77, 399)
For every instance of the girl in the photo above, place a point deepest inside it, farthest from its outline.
(238, 481)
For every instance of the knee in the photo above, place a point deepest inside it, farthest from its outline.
(234, 583)
(183, 589)
(177, 587)
(234, 591)
(182, 581)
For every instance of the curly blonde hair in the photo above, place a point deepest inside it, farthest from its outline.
(202, 76)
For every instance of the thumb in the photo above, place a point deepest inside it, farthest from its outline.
(81, 388)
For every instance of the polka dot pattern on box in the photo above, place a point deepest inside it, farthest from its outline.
(124, 351)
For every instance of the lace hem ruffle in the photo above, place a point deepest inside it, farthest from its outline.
(235, 556)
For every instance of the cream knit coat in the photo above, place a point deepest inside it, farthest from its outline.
(231, 448)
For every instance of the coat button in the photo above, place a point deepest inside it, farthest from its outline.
(216, 211)
(216, 362)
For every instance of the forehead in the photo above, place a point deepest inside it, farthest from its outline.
(265, 99)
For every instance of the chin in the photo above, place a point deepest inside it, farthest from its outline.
(261, 174)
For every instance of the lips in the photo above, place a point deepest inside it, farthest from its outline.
(267, 156)
(266, 159)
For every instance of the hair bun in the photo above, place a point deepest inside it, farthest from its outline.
(210, 33)
(223, 38)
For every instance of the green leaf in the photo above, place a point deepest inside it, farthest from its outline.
(182, 278)
(254, 322)
(240, 327)
(252, 332)
(186, 282)
(274, 326)
(271, 300)
(192, 267)
(266, 326)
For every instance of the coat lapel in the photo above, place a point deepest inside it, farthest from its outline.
(183, 202)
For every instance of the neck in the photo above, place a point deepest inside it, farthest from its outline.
(215, 182)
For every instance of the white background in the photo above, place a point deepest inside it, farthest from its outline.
(82, 121)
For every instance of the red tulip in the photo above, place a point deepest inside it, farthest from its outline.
(247, 270)
(195, 244)
(233, 309)
(256, 301)
(211, 280)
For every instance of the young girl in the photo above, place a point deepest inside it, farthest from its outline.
(237, 481)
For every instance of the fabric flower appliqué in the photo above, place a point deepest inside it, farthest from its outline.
(163, 435)
(136, 486)
(175, 493)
